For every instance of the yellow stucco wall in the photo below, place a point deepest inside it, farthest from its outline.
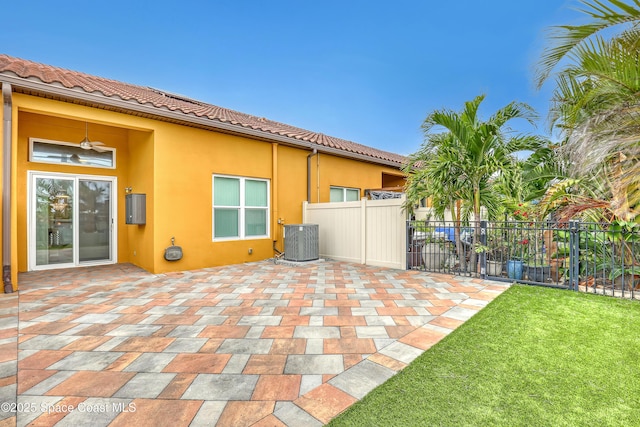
(137, 248)
(341, 172)
(173, 165)
(58, 129)
(186, 158)
(58, 121)
(395, 180)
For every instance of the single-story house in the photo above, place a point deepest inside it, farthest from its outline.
(97, 171)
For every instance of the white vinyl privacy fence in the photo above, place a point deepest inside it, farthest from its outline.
(372, 232)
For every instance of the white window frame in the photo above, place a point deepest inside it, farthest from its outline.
(344, 192)
(69, 144)
(242, 208)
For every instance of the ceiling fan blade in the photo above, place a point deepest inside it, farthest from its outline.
(98, 149)
(96, 143)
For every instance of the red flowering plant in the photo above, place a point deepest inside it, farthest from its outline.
(519, 246)
(528, 235)
(522, 212)
(519, 215)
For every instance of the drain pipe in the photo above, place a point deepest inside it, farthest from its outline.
(313, 153)
(6, 188)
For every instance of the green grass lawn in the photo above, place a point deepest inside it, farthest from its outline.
(533, 357)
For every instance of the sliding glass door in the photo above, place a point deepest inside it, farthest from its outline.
(72, 220)
(94, 220)
(54, 219)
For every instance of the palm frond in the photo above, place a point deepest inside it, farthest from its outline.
(566, 38)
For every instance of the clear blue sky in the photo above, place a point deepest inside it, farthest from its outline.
(367, 71)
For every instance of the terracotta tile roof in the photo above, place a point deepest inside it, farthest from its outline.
(164, 100)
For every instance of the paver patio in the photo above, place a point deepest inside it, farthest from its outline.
(252, 344)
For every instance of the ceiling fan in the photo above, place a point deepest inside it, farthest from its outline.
(90, 145)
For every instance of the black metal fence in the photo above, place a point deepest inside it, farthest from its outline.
(592, 257)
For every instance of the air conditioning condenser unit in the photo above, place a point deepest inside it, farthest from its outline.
(301, 242)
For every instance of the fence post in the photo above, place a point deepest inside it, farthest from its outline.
(574, 254)
(363, 230)
(483, 254)
(305, 206)
(408, 247)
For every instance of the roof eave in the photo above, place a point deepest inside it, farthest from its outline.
(129, 107)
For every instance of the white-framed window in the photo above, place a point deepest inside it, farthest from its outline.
(240, 208)
(344, 194)
(61, 153)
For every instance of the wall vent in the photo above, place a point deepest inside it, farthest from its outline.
(301, 242)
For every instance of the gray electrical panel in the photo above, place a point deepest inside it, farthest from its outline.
(135, 208)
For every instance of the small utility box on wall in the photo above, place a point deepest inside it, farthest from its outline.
(135, 208)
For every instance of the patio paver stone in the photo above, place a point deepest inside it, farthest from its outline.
(258, 344)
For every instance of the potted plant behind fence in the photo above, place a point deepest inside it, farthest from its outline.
(537, 266)
(429, 247)
(625, 237)
(518, 251)
(494, 266)
(515, 268)
(495, 250)
(538, 270)
(557, 250)
(435, 252)
(516, 234)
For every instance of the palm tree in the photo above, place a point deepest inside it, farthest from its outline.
(470, 151)
(596, 103)
(459, 163)
(433, 173)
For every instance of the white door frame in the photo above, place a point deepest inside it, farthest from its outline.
(31, 220)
